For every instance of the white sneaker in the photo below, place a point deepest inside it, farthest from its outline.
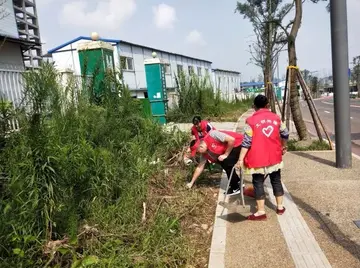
(187, 161)
(239, 188)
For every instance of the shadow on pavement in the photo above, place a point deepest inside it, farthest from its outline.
(315, 158)
(233, 217)
(330, 228)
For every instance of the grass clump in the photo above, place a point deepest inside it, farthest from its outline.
(196, 96)
(75, 176)
(312, 145)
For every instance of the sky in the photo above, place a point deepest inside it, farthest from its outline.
(206, 29)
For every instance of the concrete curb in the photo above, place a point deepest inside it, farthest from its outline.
(333, 143)
(218, 242)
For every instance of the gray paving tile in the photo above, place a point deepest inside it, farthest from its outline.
(302, 245)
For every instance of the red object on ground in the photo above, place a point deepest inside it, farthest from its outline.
(249, 191)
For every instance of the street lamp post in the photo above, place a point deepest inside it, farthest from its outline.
(340, 66)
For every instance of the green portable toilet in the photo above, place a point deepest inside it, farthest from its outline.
(278, 93)
(156, 88)
(96, 57)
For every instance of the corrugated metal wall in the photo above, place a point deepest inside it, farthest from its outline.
(11, 88)
(11, 85)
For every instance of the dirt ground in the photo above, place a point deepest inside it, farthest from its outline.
(194, 208)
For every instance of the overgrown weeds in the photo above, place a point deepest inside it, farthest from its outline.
(75, 177)
(196, 96)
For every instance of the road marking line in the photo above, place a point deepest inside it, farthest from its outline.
(353, 106)
(327, 112)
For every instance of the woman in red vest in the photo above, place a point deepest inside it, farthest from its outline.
(200, 128)
(262, 149)
(222, 147)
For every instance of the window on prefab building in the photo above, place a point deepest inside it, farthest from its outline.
(167, 68)
(126, 63)
(191, 70)
(179, 68)
(199, 71)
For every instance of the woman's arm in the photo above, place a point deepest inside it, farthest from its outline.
(246, 144)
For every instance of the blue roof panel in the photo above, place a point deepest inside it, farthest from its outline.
(54, 50)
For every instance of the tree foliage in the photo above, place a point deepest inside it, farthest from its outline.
(314, 86)
(355, 72)
(269, 40)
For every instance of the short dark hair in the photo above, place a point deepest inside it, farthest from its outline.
(192, 143)
(196, 119)
(260, 101)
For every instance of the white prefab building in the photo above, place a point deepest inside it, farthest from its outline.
(228, 82)
(13, 47)
(130, 58)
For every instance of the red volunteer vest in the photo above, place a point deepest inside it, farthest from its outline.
(217, 147)
(203, 126)
(266, 149)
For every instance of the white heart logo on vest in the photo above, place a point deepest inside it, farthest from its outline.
(268, 131)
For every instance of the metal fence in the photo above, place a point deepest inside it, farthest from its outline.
(11, 89)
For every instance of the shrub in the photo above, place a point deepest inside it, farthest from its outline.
(74, 165)
(196, 96)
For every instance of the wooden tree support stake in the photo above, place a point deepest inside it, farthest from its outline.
(273, 95)
(286, 112)
(270, 95)
(311, 108)
(315, 110)
(288, 108)
(285, 97)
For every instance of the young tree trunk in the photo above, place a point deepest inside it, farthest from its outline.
(268, 87)
(266, 79)
(358, 86)
(294, 94)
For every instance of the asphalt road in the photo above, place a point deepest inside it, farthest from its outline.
(325, 108)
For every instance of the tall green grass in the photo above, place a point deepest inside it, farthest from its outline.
(196, 96)
(74, 177)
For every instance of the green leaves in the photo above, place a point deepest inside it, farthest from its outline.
(74, 160)
(85, 262)
(18, 252)
(196, 97)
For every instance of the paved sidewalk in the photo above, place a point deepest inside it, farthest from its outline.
(317, 230)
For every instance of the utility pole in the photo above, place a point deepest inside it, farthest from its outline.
(340, 66)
